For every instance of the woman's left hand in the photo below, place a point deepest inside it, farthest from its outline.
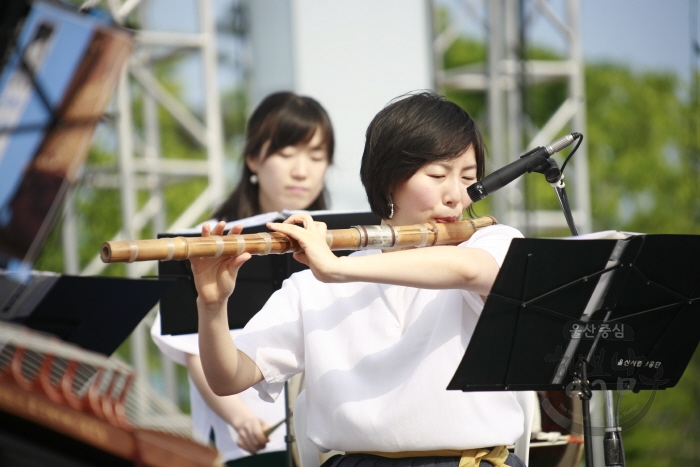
(315, 251)
(215, 278)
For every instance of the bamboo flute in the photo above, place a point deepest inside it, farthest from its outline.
(360, 237)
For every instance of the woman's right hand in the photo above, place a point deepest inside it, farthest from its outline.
(215, 278)
(251, 434)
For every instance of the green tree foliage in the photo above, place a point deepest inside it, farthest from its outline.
(638, 145)
(667, 435)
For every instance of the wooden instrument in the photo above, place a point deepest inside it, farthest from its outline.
(88, 401)
(360, 237)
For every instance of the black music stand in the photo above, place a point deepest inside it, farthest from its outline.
(95, 313)
(257, 280)
(582, 315)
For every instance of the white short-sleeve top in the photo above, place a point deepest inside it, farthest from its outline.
(205, 419)
(378, 359)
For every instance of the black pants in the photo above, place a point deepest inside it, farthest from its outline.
(368, 460)
(268, 459)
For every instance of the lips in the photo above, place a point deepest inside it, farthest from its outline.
(297, 189)
(446, 220)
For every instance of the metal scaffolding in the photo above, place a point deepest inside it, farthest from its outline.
(142, 170)
(503, 78)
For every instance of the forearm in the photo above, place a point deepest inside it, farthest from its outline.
(227, 370)
(440, 267)
(230, 408)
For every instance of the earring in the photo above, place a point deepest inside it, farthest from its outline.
(391, 206)
(254, 179)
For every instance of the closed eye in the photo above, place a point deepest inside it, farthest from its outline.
(319, 155)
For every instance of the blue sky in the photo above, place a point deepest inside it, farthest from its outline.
(651, 34)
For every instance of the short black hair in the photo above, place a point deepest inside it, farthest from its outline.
(411, 131)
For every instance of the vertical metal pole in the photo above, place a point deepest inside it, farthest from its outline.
(437, 55)
(152, 146)
(152, 153)
(495, 99)
(128, 207)
(514, 193)
(69, 235)
(213, 109)
(612, 441)
(578, 95)
(126, 168)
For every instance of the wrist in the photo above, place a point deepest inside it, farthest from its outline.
(236, 422)
(215, 307)
(333, 271)
(342, 270)
(239, 420)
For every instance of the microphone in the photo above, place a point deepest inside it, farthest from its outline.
(533, 160)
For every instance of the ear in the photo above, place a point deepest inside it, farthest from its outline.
(253, 163)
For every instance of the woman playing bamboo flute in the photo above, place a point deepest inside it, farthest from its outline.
(379, 334)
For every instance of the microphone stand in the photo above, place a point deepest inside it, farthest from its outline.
(554, 177)
(288, 437)
(612, 441)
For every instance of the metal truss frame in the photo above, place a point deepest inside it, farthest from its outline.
(141, 167)
(501, 79)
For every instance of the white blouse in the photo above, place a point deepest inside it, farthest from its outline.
(204, 418)
(378, 359)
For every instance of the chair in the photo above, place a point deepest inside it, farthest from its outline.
(308, 453)
(529, 402)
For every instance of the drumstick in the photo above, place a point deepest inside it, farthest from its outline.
(269, 431)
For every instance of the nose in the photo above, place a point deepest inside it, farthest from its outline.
(452, 194)
(300, 167)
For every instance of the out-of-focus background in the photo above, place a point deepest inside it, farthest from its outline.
(624, 73)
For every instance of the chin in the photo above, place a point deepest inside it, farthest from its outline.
(298, 206)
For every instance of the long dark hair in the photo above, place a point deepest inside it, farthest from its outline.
(411, 131)
(284, 119)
